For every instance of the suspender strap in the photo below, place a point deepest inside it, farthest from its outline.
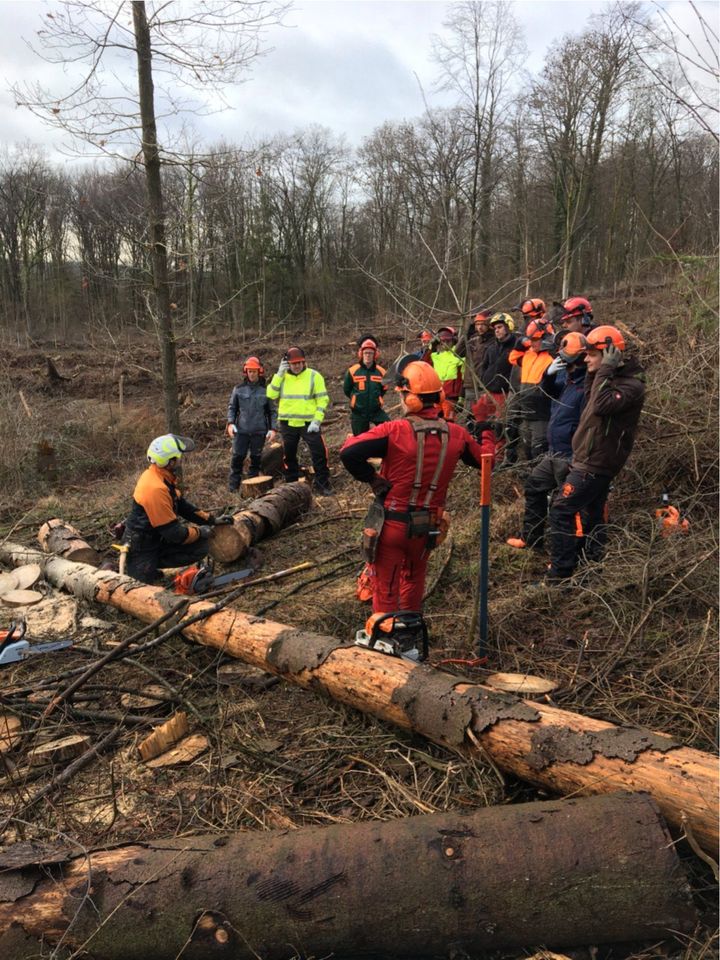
(420, 428)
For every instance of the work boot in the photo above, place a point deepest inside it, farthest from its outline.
(517, 542)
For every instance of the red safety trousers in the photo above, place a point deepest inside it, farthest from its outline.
(400, 565)
(490, 406)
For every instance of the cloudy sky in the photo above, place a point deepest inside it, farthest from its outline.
(345, 65)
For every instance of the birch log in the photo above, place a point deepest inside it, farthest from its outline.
(565, 873)
(558, 750)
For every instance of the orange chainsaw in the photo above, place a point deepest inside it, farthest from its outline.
(200, 579)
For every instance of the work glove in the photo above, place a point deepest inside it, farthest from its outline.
(283, 368)
(612, 357)
(231, 429)
(556, 366)
(204, 532)
(380, 486)
(314, 426)
(225, 520)
(270, 435)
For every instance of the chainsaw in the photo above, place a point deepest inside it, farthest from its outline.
(14, 647)
(402, 634)
(200, 579)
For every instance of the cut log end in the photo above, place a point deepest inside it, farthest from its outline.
(256, 487)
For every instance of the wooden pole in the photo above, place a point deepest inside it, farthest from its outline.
(564, 873)
(558, 750)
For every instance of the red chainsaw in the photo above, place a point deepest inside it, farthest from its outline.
(200, 578)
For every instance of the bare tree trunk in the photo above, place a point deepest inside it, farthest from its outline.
(156, 216)
(567, 873)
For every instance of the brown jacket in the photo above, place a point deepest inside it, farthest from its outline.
(606, 431)
(473, 347)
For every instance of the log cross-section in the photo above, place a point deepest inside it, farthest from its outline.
(558, 750)
(563, 873)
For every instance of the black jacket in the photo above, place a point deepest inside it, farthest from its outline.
(495, 371)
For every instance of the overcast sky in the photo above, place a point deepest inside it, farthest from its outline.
(347, 65)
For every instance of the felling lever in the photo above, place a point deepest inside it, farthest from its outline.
(14, 647)
(401, 634)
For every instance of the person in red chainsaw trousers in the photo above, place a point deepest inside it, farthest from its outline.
(419, 455)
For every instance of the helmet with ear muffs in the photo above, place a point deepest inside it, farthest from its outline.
(252, 363)
(419, 384)
(369, 343)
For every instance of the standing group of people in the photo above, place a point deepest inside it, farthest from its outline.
(573, 398)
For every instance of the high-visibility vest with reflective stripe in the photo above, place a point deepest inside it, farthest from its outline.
(302, 398)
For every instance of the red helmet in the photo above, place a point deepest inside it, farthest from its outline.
(533, 308)
(577, 307)
(447, 334)
(426, 337)
(368, 344)
(252, 363)
(600, 337)
(295, 354)
(536, 330)
(572, 347)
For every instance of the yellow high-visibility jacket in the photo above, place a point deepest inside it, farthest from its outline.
(302, 398)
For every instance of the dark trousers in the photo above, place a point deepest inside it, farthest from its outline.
(242, 442)
(359, 424)
(291, 437)
(585, 494)
(533, 438)
(546, 476)
(146, 558)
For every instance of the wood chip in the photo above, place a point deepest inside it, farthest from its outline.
(10, 727)
(56, 750)
(149, 698)
(27, 575)
(7, 582)
(185, 752)
(21, 598)
(164, 736)
(522, 683)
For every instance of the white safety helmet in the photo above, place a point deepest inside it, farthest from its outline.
(168, 447)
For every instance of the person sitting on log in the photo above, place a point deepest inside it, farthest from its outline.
(251, 420)
(154, 529)
(364, 387)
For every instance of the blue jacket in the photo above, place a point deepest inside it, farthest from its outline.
(250, 410)
(568, 393)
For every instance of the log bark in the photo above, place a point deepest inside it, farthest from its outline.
(260, 519)
(562, 873)
(556, 749)
(57, 536)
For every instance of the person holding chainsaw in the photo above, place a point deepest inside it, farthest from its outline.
(303, 400)
(364, 387)
(164, 529)
(419, 455)
(251, 420)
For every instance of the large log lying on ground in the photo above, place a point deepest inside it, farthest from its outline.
(260, 519)
(556, 749)
(565, 873)
(58, 536)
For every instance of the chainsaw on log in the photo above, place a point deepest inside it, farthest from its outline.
(200, 579)
(401, 634)
(14, 647)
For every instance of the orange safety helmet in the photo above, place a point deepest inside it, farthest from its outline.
(577, 307)
(533, 308)
(418, 382)
(572, 347)
(368, 344)
(600, 337)
(252, 363)
(426, 337)
(536, 330)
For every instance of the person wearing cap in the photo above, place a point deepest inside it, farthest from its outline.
(564, 382)
(163, 529)
(494, 386)
(419, 455)
(251, 420)
(364, 388)
(531, 404)
(473, 347)
(603, 440)
(450, 368)
(302, 401)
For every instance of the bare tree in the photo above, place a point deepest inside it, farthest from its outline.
(191, 49)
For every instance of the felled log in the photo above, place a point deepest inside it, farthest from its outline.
(260, 519)
(561, 751)
(58, 536)
(256, 486)
(563, 873)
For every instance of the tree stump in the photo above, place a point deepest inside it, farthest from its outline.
(54, 751)
(57, 536)
(256, 487)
